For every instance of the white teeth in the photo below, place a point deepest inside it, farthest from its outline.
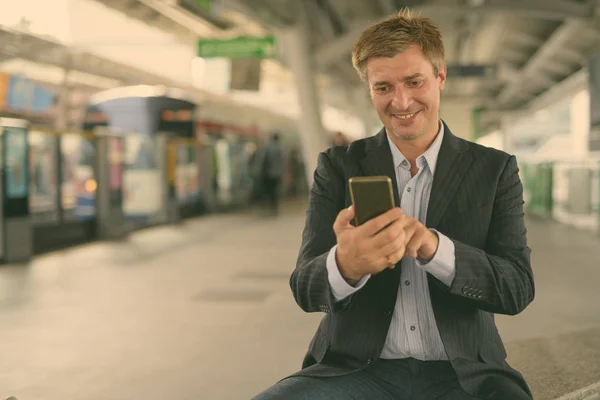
(407, 116)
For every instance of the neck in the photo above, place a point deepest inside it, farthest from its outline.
(412, 149)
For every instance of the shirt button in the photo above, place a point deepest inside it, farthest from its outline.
(405, 163)
(407, 283)
(408, 189)
(412, 328)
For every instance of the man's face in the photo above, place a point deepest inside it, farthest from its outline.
(406, 93)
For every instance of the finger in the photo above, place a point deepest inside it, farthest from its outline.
(383, 263)
(397, 256)
(415, 243)
(393, 246)
(375, 225)
(343, 219)
(411, 226)
(389, 235)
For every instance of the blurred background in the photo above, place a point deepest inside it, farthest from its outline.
(146, 250)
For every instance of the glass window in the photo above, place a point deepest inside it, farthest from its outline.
(140, 152)
(43, 173)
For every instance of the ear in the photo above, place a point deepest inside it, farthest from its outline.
(442, 76)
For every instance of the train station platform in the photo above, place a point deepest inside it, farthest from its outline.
(203, 310)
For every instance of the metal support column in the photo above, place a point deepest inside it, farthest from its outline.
(109, 195)
(505, 128)
(294, 45)
(62, 105)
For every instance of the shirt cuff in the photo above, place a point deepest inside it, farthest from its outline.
(443, 263)
(339, 287)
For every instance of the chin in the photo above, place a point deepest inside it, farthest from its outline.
(407, 135)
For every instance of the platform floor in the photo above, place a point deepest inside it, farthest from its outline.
(203, 310)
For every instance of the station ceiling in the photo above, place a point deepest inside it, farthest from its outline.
(530, 46)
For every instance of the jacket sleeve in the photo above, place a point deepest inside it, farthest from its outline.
(309, 281)
(499, 279)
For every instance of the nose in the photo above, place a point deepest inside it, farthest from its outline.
(402, 99)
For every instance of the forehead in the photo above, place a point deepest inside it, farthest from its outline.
(407, 63)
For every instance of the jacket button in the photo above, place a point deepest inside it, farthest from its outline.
(369, 361)
(389, 312)
(465, 289)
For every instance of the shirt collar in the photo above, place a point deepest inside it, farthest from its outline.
(430, 156)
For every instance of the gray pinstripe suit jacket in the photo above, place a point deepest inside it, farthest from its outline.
(477, 201)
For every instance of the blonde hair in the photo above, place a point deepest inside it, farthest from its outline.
(393, 36)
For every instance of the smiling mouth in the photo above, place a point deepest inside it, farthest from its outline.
(405, 116)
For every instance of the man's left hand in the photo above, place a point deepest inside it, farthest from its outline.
(420, 241)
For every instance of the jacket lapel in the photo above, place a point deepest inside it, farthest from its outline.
(452, 164)
(378, 160)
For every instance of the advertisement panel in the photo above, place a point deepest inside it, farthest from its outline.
(142, 178)
(16, 162)
(79, 185)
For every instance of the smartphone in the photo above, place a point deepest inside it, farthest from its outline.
(371, 196)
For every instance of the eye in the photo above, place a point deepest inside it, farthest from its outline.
(381, 89)
(414, 84)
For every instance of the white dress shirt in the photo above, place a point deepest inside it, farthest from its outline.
(413, 331)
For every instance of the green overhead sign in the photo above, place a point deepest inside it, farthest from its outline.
(240, 47)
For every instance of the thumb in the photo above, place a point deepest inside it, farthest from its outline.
(343, 219)
(349, 213)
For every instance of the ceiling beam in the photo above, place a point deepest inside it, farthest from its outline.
(181, 17)
(559, 10)
(567, 87)
(511, 55)
(332, 51)
(552, 45)
(508, 73)
(572, 56)
(521, 38)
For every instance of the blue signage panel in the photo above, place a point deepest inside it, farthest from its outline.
(20, 93)
(28, 96)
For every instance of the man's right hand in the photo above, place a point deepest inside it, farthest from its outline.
(368, 248)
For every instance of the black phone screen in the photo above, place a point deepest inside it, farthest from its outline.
(371, 197)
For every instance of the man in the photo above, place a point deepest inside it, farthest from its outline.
(272, 169)
(425, 329)
(339, 140)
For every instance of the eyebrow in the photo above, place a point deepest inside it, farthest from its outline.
(413, 76)
(405, 79)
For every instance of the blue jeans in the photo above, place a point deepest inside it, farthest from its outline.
(405, 379)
